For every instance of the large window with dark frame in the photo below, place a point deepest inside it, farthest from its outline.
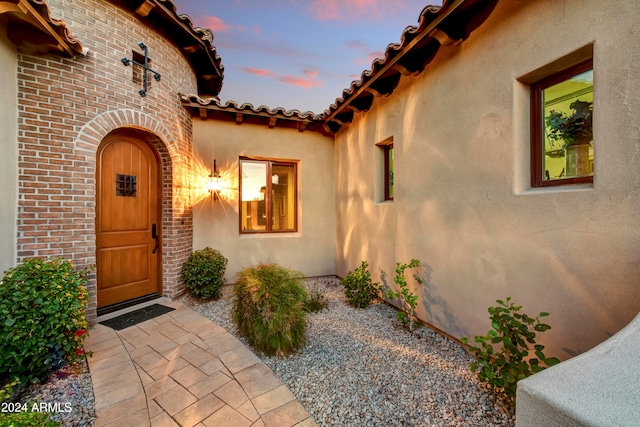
(268, 202)
(562, 127)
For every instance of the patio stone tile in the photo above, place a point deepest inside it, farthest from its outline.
(158, 387)
(150, 361)
(112, 371)
(198, 342)
(213, 365)
(99, 332)
(121, 409)
(257, 379)
(138, 419)
(232, 394)
(226, 416)
(97, 365)
(222, 343)
(188, 376)
(145, 379)
(207, 329)
(146, 324)
(109, 352)
(238, 359)
(286, 415)
(187, 337)
(116, 390)
(163, 420)
(99, 345)
(154, 408)
(161, 344)
(181, 350)
(210, 384)
(134, 335)
(140, 351)
(200, 410)
(307, 423)
(172, 331)
(249, 411)
(273, 399)
(175, 400)
(167, 368)
(258, 423)
(198, 357)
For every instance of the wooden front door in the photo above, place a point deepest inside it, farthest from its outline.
(127, 220)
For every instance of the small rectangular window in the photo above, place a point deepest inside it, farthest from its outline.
(268, 192)
(562, 127)
(388, 172)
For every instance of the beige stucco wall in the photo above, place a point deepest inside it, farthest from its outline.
(9, 150)
(216, 224)
(462, 199)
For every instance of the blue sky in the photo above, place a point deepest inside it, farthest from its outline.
(299, 54)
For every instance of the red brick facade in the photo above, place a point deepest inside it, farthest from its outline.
(66, 108)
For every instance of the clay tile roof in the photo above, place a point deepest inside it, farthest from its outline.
(247, 113)
(31, 27)
(450, 24)
(195, 43)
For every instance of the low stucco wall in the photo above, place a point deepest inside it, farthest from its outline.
(463, 204)
(9, 149)
(216, 223)
(597, 388)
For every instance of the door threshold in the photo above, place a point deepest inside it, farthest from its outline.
(114, 310)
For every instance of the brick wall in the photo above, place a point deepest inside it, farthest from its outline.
(67, 106)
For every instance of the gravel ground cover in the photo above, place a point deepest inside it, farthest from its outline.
(67, 395)
(362, 368)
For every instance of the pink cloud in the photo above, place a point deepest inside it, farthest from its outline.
(325, 10)
(310, 74)
(260, 72)
(306, 83)
(213, 23)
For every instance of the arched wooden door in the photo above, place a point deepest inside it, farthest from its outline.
(127, 220)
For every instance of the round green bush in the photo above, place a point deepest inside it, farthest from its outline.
(359, 289)
(203, 273)
(268, 308)
(43, 322)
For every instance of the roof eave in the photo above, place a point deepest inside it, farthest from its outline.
(448, 25)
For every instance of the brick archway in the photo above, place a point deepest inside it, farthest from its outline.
(176, 221)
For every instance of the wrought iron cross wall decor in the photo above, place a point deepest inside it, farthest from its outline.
(145, 69)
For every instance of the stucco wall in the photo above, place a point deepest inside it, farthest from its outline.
(9, 158)
(216, 223)
(463, 204)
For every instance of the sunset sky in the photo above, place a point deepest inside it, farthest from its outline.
(299, 54)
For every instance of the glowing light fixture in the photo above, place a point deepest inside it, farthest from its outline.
(214, 185)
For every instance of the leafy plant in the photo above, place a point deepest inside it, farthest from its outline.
(409, 300)
(27, 419)
(358, 287)
(573, 129)
(513, 331)
(268, 308)
(42, 307)
(315, 300)
(203, 273)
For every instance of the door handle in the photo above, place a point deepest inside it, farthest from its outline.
(154, 235)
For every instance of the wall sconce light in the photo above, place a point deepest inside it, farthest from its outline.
(214, 186)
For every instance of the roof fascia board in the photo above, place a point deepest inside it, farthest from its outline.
(429, 31)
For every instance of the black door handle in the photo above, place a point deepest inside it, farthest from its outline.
(154, 235)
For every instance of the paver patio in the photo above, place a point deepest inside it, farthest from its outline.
(181, 369)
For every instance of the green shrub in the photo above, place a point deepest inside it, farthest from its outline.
(315, 300)
(27, 419)
(203, 273)
(42, 307)
(409, 300)
(514, 332)
(358, 287)
(268, 308)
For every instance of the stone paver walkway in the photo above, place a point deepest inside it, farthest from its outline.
(181, 369)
